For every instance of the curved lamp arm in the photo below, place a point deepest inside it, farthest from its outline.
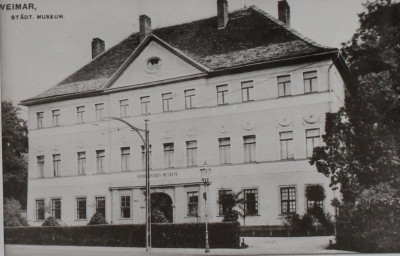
(138, 130)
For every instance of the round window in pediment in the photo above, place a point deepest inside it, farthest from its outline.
(153, 64)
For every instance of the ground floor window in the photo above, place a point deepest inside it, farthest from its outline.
(224, 196)
(101, 206)
(288, 200)
(39, 209)
(125, 207)
(56, 208)
(81, 208)
(251, 201)
(193, 203)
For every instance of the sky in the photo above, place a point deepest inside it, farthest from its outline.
(37, 54)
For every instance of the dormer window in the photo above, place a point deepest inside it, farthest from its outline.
(153, 64)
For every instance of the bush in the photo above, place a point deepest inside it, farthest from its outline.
(97, 219)
(157, 216)
(12, 215)
(50, 222)
(221, 235)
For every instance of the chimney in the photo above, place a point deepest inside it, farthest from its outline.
(284, 12)
(98, 46)
(144, 26)
(222, 13)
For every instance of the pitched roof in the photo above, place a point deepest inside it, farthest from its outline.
(251, 36)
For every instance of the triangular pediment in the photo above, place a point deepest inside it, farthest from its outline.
(154, 61)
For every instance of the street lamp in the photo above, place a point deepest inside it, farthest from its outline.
(205, 177)
(147, 154)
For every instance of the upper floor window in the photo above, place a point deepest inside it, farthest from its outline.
(99, 111)
(39, 119)
(168, 155)
(249, 143)
(56, 117)
(247, 91)
(56, 208)
(40, 166)
(288, 200)
(123, 108)
(39, 210)
(144, 102)
(251, 201)
(125, 158)
(312, 140)
(81, 208)
(101, 206)
(56, 164)
(192, 203)
(310, 81)
(189, 97)
(224, 150)
(166, 99)
(286, 141)
(144, 157)
(191, 153)
(284, 85)
(100, 160)
(80, 111)
(81, 163)
(125, 207)
(222, 91)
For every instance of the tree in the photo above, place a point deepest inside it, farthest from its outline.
(12, 215)
(362, 151)
(15, 145)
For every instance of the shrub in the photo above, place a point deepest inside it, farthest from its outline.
(50, 222)
(12, 215)
(157, 216)
(97, 219)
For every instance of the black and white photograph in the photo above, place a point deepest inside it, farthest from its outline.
(200, 127)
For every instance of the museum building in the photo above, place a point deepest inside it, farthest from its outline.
(241, 91)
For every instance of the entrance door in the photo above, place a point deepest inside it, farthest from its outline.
(161, 208)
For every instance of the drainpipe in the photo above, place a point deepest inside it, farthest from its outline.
(329, 88)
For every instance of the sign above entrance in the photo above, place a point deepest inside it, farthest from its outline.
(159, 175)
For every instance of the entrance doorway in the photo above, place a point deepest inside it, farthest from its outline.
(161, 208)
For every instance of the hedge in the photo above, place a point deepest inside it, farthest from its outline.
(221, 235)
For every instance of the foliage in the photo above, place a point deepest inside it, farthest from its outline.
(308, 223)
(15, 145)
(12, 215)
(362, 152)
(221, 235)
(158, 216)
(97, 219)
(315, 192)
(234, 206)
(50, 222)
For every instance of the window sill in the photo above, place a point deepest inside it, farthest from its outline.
(125, 219)
(80, 219)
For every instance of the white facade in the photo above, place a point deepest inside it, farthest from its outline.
(266, 117)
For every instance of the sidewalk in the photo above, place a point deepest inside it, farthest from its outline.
(257, 246)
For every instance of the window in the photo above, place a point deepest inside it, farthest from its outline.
(144, 157)
(144, 102)
(125, 158)
(284, 85)
(81, 163)
(286, 140)
(99, 111)
(191, 153)
(251, 201)
(168, 155)
(189, 96)
(56, 165)
(312, 140)
(193, 199)
(153, 64)
(100, 156)
(310, 81)
(39, 118)
(56, 117)
(225, 151)
(288, 200)
(80, 111)
(56, 208)
(222, 91)
(247, 91)
(223, 206)
(81, 208)
(166, 99)
(123, 108)
(125, 207)
(101, 206)
(39, 209)
(249, 148)
(40, 166)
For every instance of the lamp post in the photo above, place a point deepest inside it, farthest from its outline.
(147, 154)
(205, 177)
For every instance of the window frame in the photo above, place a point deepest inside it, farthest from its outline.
(222, 91)
(100, 158)
(289, 145)
(288, 201)
(311, 139)
(247, 90)
(99, 109)
(221, 207)
(166, 101)
(56, 208)
(125, 159)
(125, 205)
(311, 81)
(40, 166)
(39, 119)
(250, 148)
(98, 200)
(246, 192)
(80, 113)
(123, 107)
(144, 105)
(189, 96)
(56, 165)
(81, 162)
(226, 149)
(144, 157)
(55, 115)
(192, 203)
(40, 213)
(169, 155)
(286, 85)
(191, 153)
(81, 210)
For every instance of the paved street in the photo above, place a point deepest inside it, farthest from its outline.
(257, 246)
